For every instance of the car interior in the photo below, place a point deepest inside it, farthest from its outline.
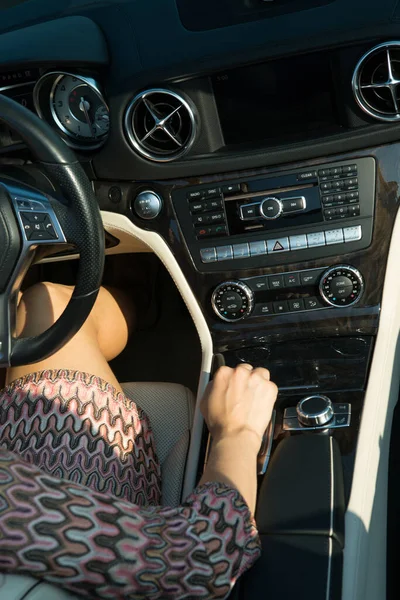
(234, 165)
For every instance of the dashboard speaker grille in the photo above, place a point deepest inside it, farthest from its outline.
(376, 82)
(161, 125)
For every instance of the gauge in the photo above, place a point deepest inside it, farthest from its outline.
(79, 109)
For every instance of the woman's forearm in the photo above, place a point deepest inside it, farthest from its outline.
(233, 460)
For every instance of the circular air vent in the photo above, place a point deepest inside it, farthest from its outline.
(376, 82)
(161, 125)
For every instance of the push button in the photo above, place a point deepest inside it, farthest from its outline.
(196, 195)
(312, 303)
(213, 204)
(296, 305)
(233, 188)
(213, 192)
(224, 253)
(258, 284)
(292, 280)
(265, 308)
(276, 246)
(208, 255)
(241, 251)
(197, 207)
(310, 277)
(251, 211)
(258, 248)
(276, 282)
(281, 307)
(292, 205)
(33, 217)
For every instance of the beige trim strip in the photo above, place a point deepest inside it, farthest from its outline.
(364, 576)
(132, 236)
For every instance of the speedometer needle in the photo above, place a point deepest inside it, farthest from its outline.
(87, 117)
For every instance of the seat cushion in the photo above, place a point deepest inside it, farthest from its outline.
(170, 408)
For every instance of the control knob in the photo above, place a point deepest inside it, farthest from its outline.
(315, 411)
(147, 205)
(341, 285)
(271, 208)
(232, 301)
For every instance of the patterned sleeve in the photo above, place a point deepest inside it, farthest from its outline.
(98, 546)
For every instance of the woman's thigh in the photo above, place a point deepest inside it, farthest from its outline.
(102, 337)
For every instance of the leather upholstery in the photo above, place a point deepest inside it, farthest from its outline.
(170, 408)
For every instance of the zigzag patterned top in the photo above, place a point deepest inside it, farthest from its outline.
(61, 431)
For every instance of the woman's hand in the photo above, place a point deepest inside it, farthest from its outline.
(238, 404)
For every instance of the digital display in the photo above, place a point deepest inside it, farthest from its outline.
(283, 100)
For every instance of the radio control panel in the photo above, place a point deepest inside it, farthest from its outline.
(266, 221)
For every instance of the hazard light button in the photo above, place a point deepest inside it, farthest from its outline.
(279, 245)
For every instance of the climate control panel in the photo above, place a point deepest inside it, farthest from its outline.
(298, 291)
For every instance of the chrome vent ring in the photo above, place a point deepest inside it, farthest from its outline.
(161, 125)
(376, 82)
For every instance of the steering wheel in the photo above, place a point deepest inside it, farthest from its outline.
(30, 218)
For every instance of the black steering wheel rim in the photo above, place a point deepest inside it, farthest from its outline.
(79, 220)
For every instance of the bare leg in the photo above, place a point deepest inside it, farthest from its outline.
(102, 337)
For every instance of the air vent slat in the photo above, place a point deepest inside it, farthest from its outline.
(376, 82)
(161, 125)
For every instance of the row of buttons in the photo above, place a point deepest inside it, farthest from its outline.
(285, 306)
(295, 242)
(29, 204)
(284, 281)
(340, 199)
(348, 170)
(208, 219)
(200, 207)
(214, 192)
(38, 226)
(342, 212)
(259, 209)
(341, 184)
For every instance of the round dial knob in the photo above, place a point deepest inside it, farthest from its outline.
(271, 208)
(147, 205)
(232, 301)
(315, 411)
(341, 286)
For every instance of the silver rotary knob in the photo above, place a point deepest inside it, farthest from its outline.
(271, 208)
(315, 411)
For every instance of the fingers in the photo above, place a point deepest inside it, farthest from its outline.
(245, 366)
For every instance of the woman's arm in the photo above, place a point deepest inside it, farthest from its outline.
(238, 409)
(98, 546)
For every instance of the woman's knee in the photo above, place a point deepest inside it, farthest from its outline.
(40, 306)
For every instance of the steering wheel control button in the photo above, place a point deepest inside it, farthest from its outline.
(271, 208)
(294, 205)
(147, 205)
(341, 286)
(277, 246)
(232, 301)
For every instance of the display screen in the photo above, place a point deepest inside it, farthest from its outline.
(281, 100)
